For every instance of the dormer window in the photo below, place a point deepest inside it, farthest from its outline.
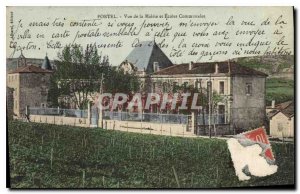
(155, 66)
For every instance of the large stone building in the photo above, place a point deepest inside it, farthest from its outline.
(30, 86)
(241, 89)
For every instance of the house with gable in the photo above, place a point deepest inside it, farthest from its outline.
(281, 119)
(145, 59)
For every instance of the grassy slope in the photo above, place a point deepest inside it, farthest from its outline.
(270, 65)
(280, 90)
(116, 159)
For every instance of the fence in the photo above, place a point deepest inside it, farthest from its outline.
(214, 119)
(240, 119)
(59, 112)
(120, 116)
(152, 123)
(147, 117)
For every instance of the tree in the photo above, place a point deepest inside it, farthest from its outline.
(203, 100)
(117, 81)
(78, 76)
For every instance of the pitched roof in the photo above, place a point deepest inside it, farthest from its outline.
(12, 63)
(226, 67)
(30, 69)
(46, 64)
(286, 108)
(144, 55)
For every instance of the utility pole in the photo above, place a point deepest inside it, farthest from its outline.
(101, 84)
(100, 97)
(202, 104)
(209, 105)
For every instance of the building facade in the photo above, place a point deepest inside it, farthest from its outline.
(30, 85)
(281, 120)
(240, 90)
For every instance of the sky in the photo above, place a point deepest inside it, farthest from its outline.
(178, 45)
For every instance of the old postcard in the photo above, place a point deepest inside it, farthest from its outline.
(150, 97)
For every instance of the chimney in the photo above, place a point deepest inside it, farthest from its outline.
(191, 65)
(273, 103)
(216, 68)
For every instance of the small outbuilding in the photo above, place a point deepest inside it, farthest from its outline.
(282, 120)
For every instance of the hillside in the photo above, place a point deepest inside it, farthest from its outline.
(274, 66)
(280, 90)
(280, 80)
(51, 156)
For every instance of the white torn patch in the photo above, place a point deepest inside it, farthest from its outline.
(250, 158)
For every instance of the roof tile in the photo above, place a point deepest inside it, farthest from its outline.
(30, 69)
(209, 68)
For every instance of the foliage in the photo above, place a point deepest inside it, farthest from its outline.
(79, 73)
(97, 158)
(117, 81)
(269, 65)
(202, 96)
(255, 64)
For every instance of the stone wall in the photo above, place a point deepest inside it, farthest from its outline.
(128, 126)
(147, 127)
(34, 89)
(248, 110)
(9, 102)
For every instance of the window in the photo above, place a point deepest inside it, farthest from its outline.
(209, 86)
(185, 84)
(165, 87)
(221, 114)
(155, 66)
(197, 84)
(221, 87)
(248, 88)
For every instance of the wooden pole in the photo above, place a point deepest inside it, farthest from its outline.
(176, 177)
(202, 102)
(100, 105)
(209, 106)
